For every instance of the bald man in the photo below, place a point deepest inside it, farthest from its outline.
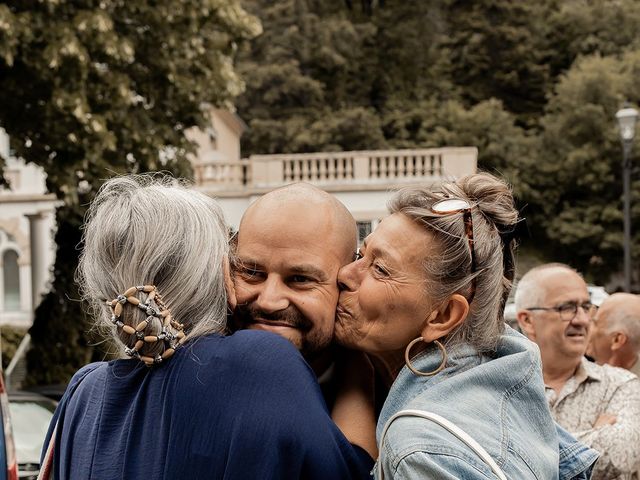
(291, 243)
(599, 405)
(289, 247)
(615, 334)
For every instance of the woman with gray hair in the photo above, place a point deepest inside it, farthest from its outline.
(425, 298)
(186, 400)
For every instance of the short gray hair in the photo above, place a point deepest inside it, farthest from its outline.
(626, 322)
(151, 229)
(623, 314)
(448, 270)
(529, 289)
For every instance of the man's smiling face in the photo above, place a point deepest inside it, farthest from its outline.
(287, 260)
(552, 334)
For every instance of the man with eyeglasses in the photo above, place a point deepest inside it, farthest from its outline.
(600, 405)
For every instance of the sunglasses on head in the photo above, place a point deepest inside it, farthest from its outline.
(452, 206)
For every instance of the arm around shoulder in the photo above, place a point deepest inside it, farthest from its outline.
(618, 443)
(354, 409)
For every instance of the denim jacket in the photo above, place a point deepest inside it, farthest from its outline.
(498, 399)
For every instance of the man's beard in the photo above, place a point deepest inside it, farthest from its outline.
(246, 315)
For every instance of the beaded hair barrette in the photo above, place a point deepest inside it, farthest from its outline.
(172, 334)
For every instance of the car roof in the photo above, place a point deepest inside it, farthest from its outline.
(53, 391)
(20, 395)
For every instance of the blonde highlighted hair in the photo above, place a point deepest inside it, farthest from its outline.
(448, 269)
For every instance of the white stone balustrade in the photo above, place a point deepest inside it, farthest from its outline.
(336, 170)
(222, 175)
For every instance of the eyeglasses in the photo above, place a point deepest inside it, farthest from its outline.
(568, 311)
(451, 206)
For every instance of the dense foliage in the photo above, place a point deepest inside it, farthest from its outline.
(97, 88)
(535, 85)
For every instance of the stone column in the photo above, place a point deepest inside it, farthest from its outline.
(361, 169)
(25, 288)
(39, 268)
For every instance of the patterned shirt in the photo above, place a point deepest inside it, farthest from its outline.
(592, 391)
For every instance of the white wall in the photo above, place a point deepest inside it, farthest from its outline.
(364, 205)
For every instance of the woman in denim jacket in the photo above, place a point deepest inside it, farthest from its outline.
(425, 300)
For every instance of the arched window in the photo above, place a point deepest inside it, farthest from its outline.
(11, 277)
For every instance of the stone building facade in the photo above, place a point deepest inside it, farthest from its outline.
(27, 250)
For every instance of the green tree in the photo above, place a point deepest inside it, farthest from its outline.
(574, 188)
(521, 81)
(300, 73)
(503, 146)
(589, 27)
(498, 50)
(93, 89)
(409, 55)
(355, 128)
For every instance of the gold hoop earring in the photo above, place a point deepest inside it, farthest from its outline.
(407, 359)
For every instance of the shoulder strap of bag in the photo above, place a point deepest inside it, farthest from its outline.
(463, 436)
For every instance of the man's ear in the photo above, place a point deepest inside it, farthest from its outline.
(619, 340)
(525, 323)
(229, 286)
(443, 321)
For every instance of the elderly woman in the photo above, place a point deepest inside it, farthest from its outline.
(425, 299)
(185, 401)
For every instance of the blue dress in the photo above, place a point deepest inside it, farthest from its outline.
(244, 406)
